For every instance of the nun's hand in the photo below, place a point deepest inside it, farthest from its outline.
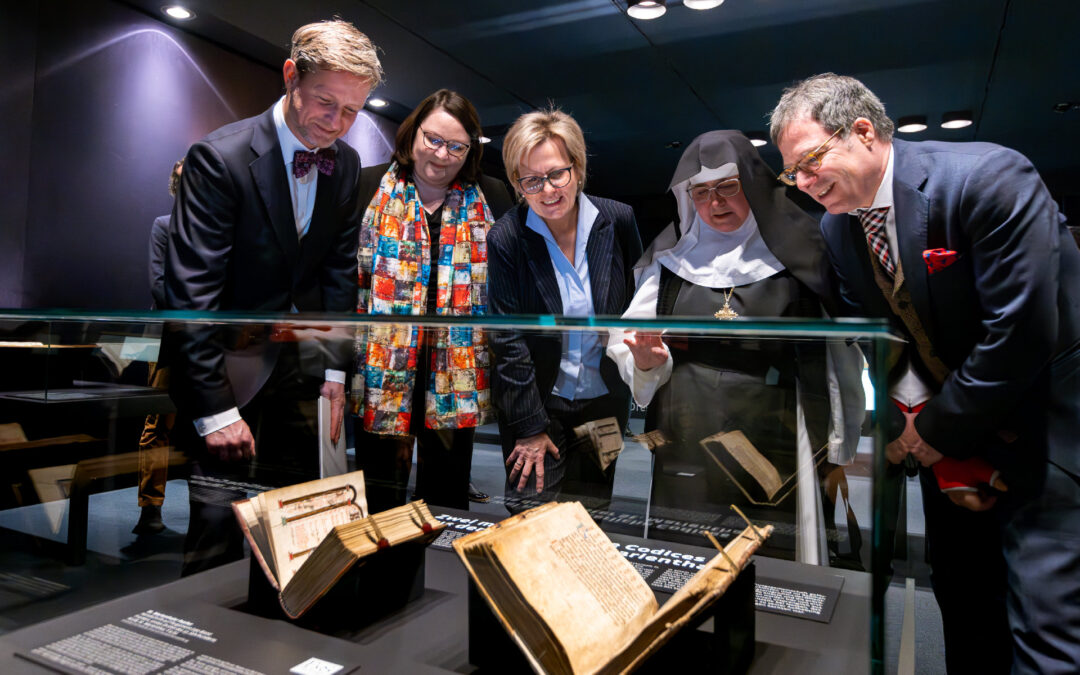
(648, 349)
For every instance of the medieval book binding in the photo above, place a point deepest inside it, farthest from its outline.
(307, 536)
(572, 603)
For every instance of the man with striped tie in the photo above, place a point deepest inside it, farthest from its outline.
(962, 248)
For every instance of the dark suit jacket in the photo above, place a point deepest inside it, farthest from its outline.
(1002, 311)
(495, 192)
(159, 244)
(233, 246)
(521, 280)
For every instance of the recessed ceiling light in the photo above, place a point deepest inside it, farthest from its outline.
(484, 139)
(702, 4)
(377, 102)
(646, 9)
(911, 124)
(178, 12)
(957, 119)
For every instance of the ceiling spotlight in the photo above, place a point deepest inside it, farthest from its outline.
(911, 124)
(702, 4)
(957, 119)
(484, 139)
(377, 102)
(646, 9)
(757, 138)
(178, 12)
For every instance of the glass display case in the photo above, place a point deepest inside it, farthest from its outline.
(774, 417)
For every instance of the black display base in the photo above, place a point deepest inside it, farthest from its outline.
(383, 583)
(728, 649)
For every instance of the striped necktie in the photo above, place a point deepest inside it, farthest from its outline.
(873, 225)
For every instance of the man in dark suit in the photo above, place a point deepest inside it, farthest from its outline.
(154, 441)
(265, 221)
(962, 248)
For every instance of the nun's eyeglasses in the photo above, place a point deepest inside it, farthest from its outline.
(702, 194)
(810, 162)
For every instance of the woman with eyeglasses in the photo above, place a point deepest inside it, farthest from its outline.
(563, 252)
(734, 419)
(422, 251)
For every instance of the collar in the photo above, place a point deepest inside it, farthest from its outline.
(586, 217)
(286, 138)
(884, 195)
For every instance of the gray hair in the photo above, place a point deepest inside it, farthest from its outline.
(833, 101)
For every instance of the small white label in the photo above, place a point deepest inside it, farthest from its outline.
(314, 666)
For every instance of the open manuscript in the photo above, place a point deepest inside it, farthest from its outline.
(570, 600)
(307, 536)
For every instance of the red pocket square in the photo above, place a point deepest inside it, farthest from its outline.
(938, 259)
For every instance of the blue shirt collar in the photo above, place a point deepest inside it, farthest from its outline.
(586, 218)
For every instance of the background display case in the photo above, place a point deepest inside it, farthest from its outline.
(774, 416)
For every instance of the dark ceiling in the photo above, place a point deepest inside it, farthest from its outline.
(637, 86)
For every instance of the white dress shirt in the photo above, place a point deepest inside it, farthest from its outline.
(910, 389)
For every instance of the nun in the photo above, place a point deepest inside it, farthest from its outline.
(763, 424)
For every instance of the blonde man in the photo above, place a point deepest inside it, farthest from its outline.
(264, 221)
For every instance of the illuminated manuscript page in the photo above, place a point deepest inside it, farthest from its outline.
(299, 517)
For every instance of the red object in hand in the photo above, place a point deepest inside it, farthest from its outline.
(956, 475)
(938, 259)
(426, 527)
(383, 543)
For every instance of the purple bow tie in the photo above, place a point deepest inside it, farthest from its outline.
(303, 160)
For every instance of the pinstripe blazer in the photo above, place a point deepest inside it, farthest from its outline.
(521, 280)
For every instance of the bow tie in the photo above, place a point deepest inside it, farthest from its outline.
(304, 160)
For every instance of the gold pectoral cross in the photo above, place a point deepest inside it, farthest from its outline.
(726, 312)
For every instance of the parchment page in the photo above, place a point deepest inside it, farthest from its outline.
(569, 571)
(298, 517)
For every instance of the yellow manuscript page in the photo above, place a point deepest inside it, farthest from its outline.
(569, 571)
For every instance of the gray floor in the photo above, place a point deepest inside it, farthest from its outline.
(36, 585)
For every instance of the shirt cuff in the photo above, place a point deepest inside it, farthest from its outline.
(211, 423)
(335, 376)
(646, 382)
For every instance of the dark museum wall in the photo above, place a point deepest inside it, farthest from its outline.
(16, 109)
(115, 98)
(102, 101)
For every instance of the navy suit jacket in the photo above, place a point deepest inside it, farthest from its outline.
(999, 314)
(233, 246)
(159, 244)
(521, 280)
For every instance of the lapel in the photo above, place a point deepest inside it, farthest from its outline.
(543, 271)
(912, 221)
(268, 173)
(598, 251)
(320, 233)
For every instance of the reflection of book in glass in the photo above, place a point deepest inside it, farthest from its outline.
(602, 440)
(307, 536)
(755, 476)
(570, 600)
